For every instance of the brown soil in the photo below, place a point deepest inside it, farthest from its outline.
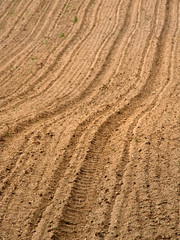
(89, 119)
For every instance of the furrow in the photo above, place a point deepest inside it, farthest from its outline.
(89, 141)
(150, 108)
(112, 48)
(112, 123)
(35, 33)
(9, 6)
(61, 168)
(21, 11)
(94, 85)
(28, 48)
(27, 23)
(22, 51)
(51, 66)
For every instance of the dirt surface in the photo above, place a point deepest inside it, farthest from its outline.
(89, 119)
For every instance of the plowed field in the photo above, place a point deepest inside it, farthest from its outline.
(89, 119)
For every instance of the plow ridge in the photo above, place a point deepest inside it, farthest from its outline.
(50, 67)
(89, 119)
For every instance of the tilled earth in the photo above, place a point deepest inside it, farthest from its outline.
(89, 119)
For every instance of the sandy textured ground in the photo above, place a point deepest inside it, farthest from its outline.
(89, 119)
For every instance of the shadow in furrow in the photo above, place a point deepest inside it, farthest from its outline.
(85, 184)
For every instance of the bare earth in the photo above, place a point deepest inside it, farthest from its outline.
(89, 119)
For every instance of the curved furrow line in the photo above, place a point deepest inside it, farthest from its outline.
(157, 169)
(62, 107)
(45, 114)
(28, 48)
(3, 5)
(55, 61)
(34, 34)
(63, 165)
(85, 183)
(75, 86)
(148, 42)
(65, 69)
(20, 59)
(88, 176)
(114, 73)
(127, 188)
(83, 191)
(21, 12)
(13, 169)
(103, 161)
(143, 58)
(57, 174)
(166, 82)
(103, 46)
(21, 52)
(121, 169)
(103, 73)
(17, 165)
(28, 160)
(74, 53)
(26, 21)
(150, 177)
